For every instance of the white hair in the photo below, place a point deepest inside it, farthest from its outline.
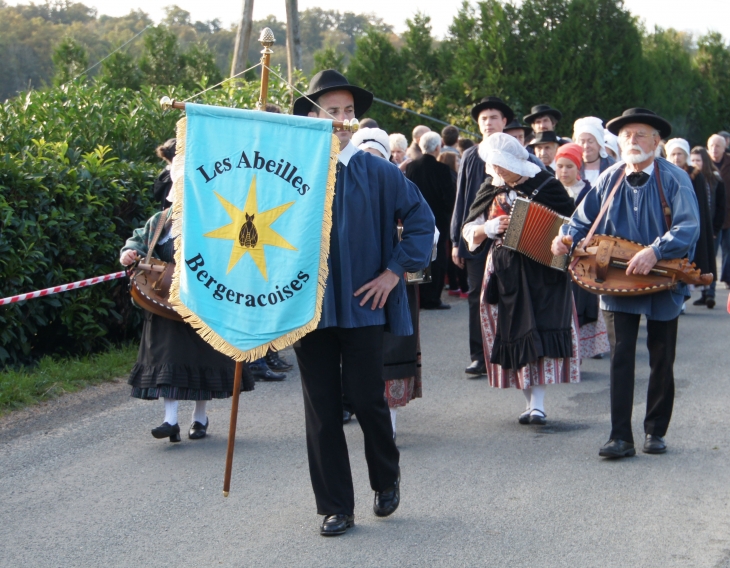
(715, 137)
(429, 142)
(398, 142)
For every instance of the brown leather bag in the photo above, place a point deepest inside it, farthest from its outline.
(150, 280)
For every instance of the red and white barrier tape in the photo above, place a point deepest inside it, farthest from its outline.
(63, 288)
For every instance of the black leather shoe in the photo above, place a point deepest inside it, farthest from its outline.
(261, 372)
(476, 368)
(700, 302)
(346, 416)
(538, 417)
(617, 449)
(710, 303)
(164, 430)
(524, 418)
(335, 525)
(386, 502)
(276, 363)
(198, 430)
(654, 445)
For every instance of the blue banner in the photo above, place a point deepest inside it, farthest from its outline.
(252, 215)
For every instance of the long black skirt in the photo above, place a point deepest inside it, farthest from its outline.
(174, 362)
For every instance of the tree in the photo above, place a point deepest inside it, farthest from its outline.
(377, 67)
(161, 63)
(713, 63)
(328, 58)
(668, 60)
(70, 59)
(200, 67)
(419, 58)
(120, 71)
(475, 58)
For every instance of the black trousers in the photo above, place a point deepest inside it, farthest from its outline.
(475, 275)
(431, 292)
(359, 351)
(457, 277)
(623, 332)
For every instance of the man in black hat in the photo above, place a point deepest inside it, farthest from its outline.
(655, 205)
(365, 294)
(543, 118)
(492, 115)
(517, 130)
(545, 145)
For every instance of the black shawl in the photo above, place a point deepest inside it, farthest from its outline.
(704, 256)
(535, 302)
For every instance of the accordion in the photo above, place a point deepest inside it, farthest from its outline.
(532, 228)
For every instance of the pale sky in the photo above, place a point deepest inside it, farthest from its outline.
(697, 16)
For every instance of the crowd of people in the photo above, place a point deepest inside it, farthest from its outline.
(444, 201)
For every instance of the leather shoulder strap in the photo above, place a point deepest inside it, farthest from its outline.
(665, 206)
(158, 231)
(606, 205)
(538, 188)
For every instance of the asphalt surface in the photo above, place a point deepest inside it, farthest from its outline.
(82, 482)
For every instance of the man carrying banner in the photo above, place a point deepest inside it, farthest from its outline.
(364, 295)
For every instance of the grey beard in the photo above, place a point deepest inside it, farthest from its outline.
(637, 158)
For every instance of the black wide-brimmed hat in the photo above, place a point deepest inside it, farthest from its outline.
(515, 124)
(640, 116)
(545, 137)
(495, 103)
(542, 110)
(331, 80)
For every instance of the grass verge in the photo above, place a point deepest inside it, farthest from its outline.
(53, 377)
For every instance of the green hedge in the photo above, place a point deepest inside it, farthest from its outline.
(76, 169)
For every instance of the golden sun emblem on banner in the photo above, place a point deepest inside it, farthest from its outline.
(250, 230)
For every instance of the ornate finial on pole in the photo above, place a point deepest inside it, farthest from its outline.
(353, 125)
(165, 103)
(266, 39)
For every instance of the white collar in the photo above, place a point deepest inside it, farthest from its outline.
(647, 170)
(346, 153)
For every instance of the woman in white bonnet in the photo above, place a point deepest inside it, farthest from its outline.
(401, 355)
(528, 321)
(588, 132)
(678, 152)
(374, 141)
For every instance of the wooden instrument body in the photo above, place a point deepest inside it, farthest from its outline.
(149, 286)
(600, 267)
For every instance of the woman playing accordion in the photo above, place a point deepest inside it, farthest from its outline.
(528, 320)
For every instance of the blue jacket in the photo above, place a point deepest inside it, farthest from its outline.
(371, 195)
(636, 214)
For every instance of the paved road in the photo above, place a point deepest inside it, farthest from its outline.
(82, 483)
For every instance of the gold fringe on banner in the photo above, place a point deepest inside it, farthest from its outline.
(210, 336)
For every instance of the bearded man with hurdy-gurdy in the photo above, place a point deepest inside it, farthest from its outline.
(636, 213)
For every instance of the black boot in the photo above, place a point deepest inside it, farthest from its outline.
(276, 363)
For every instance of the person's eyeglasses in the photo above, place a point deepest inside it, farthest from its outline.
(638, 135)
